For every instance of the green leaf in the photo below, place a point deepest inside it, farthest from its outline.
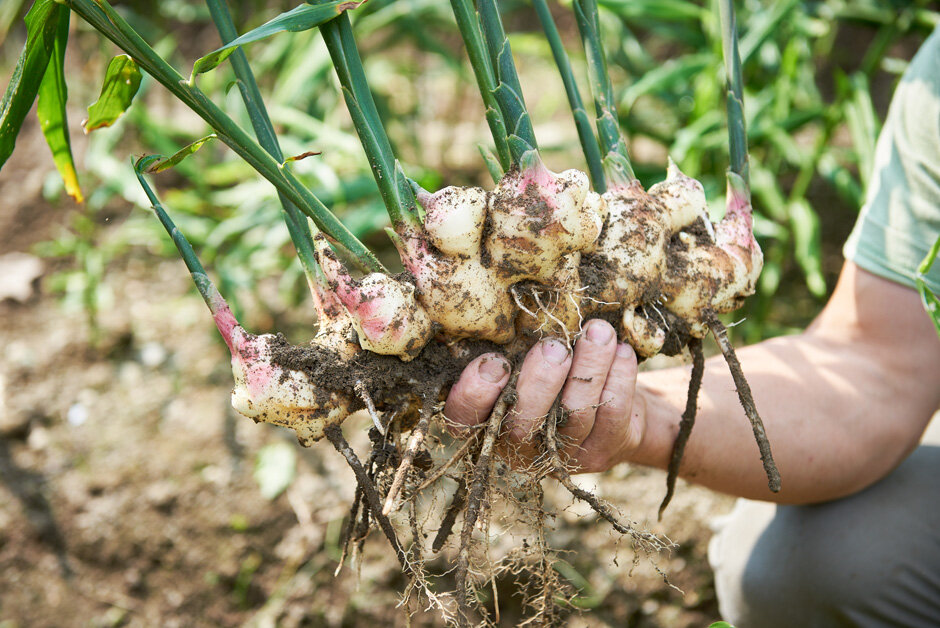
(721, 624)
(807, 245)
(301, 18)
(42, 24)
(666, 10)
(160, 164)
(53, 121)
(275, 468)
(863, 123)
(931, 302)
(121, 82)
(671, 75)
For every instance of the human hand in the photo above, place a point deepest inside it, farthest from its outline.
(598, 385)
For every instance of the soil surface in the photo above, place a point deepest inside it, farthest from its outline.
(127, 494)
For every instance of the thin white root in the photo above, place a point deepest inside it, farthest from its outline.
(370, 406)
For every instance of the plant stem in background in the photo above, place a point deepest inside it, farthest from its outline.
(469, 25)
(618, 169)
(103, 18)
(396, 191)
(737, 129)
(297, 224)
(224, 319)
(592, 151)
(508, 91)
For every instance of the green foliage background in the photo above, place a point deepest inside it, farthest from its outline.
(818, 77)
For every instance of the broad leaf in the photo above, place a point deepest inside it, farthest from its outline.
(42, 23)
(158, 164)
(121, 82)
(53, 94)
(301, 18)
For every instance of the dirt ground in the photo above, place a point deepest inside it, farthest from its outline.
(127, 495)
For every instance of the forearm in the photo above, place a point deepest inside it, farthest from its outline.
(841, 407)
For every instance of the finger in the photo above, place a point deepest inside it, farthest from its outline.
(593, 356)
(541, 378)
(615, 430)
(472, 398)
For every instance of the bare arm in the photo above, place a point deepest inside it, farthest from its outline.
(843, 403)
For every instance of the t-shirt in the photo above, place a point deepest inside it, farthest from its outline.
(900, 220)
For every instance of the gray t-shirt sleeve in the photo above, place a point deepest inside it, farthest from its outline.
(900, 220)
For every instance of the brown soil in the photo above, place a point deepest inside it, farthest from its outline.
(127, 496)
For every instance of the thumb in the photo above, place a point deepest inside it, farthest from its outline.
(472, 398)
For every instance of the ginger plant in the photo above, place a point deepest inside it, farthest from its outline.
(484, 269)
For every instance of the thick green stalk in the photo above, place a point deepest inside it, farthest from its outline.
(592, 151)
(737, 129)
(100, 15)
(393, 185)
(297, 224)
(616, 157)
(468, 24)
(508, 91)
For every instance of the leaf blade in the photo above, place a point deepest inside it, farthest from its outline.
(121, 82)
(41, 28)
(165, 163)
(301, 18)
(53, 120)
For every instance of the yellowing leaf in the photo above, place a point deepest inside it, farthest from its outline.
(53, 121)
(41, 27)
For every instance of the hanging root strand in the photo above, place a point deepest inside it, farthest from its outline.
(374, 503)
(477, 493)
(457, 503)
(687, 422)
(720, 332)
(347, 533)
(414, 444)
(557, 467)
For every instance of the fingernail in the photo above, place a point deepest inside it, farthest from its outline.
(599, 333)
(624, 350)
(553, 351)
(493, 369)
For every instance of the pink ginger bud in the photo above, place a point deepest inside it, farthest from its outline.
(383, 310)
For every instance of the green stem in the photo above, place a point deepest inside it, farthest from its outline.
(182, 244)
(616, 157)
(469, 25)
(297, 224)
(393, 185)
(589, 144)
(508, 91)
(100, 15)
(737, 129)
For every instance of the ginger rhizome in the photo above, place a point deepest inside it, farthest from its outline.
(536, 256)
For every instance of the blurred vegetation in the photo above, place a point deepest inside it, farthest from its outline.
(818, 77)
